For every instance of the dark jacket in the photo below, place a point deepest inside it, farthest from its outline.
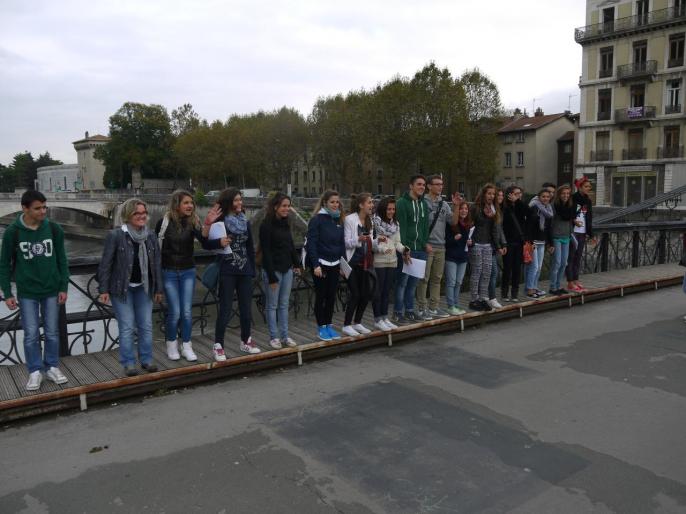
(514, 222)
(456, 250)
(486, 229)
(177, 245)
(581, 201)
(533, 227)
(325, 240)
(561, 226)
(241, 260)
(278, 249)
(116, 264)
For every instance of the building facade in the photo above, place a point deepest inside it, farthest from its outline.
(63, 177)
(91, 170)
(630, 140)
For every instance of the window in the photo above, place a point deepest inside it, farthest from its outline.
(508, 139)
(604, 104)
(679, 8)
(638, 93)
(673, 104)
(608, 19)
(635, 149)
(295, 178)
(640, 52)
(602, 147)
(676, 50)
(671, 149)
(508, 159)
(379, 174)
(314, 176)
(379, 188)
(642, 12)
(567, 148)
(520, 137)
(606, 58)
(567, 168)
(520, 159)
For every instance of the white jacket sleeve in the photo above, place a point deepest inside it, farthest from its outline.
(352, 240)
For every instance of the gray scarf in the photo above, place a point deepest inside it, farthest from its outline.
(545, 211)
(139, 237)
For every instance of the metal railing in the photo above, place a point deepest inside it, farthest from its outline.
(631, 154)
(670, 152)
(673, 109)
(601, 155)
(636, 69)
(623, 26)
(635, 114)
(604, 73)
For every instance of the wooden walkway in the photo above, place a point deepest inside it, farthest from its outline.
(98, 377)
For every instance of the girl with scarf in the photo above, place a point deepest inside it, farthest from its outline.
(236, 271)
(386, 250)
(538, 223)
(325, 246)
(456, 253)
(130, 276)
(561, 234)
(583, 232)
(359, 240)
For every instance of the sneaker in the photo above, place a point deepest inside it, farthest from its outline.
(173, 350)
(219, 354)
(513, 299)
(540, 293)
(459, 311)
(187, 352)
(424, 315)
(476, 305)
(452, 310)
(288, 342)
(486, 306)
(439, 313)
(275, 343)
(35, 380)
(562, 291)
(332, 333)
(350, 331)
(130, 371)
(381, 325)
(324, 333)
(150, 368)
(411, 317)
(362, 329)
(494, 303)
(578, 289)
(249, 347)
(398, 319)
(56, 375)
(390, 325)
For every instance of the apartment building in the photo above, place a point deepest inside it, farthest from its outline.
(630, 136)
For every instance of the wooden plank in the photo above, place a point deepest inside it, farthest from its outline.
(77, 368)
(99, 371)
(8, 389)
(110, 360)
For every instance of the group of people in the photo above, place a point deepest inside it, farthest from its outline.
(372, 247)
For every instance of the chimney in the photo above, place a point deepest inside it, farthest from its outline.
(539, 112)
(86, 134)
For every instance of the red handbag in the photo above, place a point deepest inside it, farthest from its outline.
(527, 252)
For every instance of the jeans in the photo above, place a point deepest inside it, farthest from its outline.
(575, 256)
(277, 303)
(558, 264)
(384, 277)
(494, 277)
(358, 286)
(325, 288)
(30, 322)
(242, 284)
(178, 290)
(533, 269)
(406, 285)
(512, 266)
(435, 262)
(454, 275)
(134, 313)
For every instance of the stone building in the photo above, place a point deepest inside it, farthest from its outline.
(91, 170)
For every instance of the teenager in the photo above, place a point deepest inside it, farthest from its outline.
(486, 238)
(280, 262)
(413, 218)
(359, 241)
(387, 249)
(561, 233)
(130, 276)
(583, 231)
(176, 232)
(439, 215)
(236, 270)
(538, 222)
(33, 248)
(325, 247)
(495, 267)
(456, 254)
(514, 223)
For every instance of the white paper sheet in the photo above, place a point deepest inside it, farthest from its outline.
(345, 268)
(416, 268)
(217, 231)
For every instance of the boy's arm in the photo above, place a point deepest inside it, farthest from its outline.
(6, 262)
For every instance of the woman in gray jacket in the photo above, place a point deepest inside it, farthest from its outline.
(130, 276)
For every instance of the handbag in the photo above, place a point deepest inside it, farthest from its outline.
(527, 252)
(210, 276)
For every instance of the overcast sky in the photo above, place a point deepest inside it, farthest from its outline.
(66, 66)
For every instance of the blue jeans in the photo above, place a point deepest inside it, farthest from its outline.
(178, 290)
(30, 322)
(533, 269)
(454, 275)
(134, 313)
(277, 303)
(558, 264)
(406, 285)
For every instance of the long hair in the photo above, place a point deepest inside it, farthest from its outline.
(356, 201)
(382, 210)
(226, 198)
(129, 207)
(325, 198)
(468, 222)
(174, 204)
(558, 201)
(273, 203)
(480, 201)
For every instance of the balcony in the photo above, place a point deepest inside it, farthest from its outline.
(635, 114)
(601, 155)
(604, 115)
(670, 152)
(676, 62)
(604, 73)
(673, 109)
(633, 154)
(632, 24)
(637, 70)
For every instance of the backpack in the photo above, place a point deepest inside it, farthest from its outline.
(163, 230)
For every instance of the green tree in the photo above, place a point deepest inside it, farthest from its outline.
(285, 141)
(183, 120)
(24, 169)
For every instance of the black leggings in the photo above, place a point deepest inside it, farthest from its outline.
(384, 279)
(358, 285)
(512, 267)
(325, 294)
(242, 284)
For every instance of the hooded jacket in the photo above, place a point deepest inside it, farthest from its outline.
(413, 218)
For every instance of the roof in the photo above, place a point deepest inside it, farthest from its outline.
(567, 136)
(96, 137)
(530, 122)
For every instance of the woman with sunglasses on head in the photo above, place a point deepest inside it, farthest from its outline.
(583, 232)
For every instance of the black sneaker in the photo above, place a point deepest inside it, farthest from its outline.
(150, 368)
(411, 317)
(562, 291)
(478, 306)
(485, 305)
(130, 371)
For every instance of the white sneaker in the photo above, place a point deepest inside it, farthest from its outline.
(494, 303)
(289, 342)
(381, 325)
(173, 350)
(350, 331)
(187, 352)
(275, 343)
(219, 354)
(389, 324)
(56, 375)
(249, 347)
(362, 329)
(35, 380)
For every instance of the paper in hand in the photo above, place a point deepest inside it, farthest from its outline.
(345, 268)
(217, 231)
(415, 268)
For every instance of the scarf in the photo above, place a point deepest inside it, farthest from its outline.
(139, 237)
(544, 211)
(334, 214)
(237, 223)
(383, 228)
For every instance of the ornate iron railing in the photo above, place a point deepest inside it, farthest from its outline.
(623, 26)
(637, 69)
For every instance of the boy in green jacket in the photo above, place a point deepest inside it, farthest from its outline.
(33, 247)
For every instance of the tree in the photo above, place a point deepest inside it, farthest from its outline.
(7, 179)
(24, 169)
(483, 98)
(183, 120)
(45, 159)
